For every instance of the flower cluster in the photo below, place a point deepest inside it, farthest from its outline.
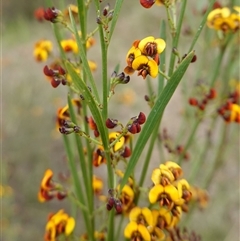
(230, 109)
(171, 148)
(49, 189)
(140, 222)
(201, 104)
(223, 19)
(59, 224)
(143, 56)
(172, 194)
(118, 150)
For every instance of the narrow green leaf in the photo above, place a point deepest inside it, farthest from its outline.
(83, 57)
(117, 9)
(89, 98)
(88, 186)
(155, 114)
(90, 101)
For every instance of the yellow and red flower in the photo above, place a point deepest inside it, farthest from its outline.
(162, 175)
(143, 56)
(63, 113)
(151, 47)
(127, 197)
(59, 223)
(166, 195)
(42, 50)
(137, 232)
(223, 19)
(141, 216)
(49, 189)
(145, 66)
(69, 45)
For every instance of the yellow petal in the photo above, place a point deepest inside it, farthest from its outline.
(133, 53)
(155, 214)
(156, 176)
(171, 164)
(134, 214)
(144, 232)
(155, 192)
(139, 61)
(40, 54)
(69, 226)
(46, 179)
(51, 228)
(130, 229)
(167, 173)
(144, 42)
(128, 191)
(153, 68)
(161, 45)
(172, 192)
(119, 144)
(237, 8)
(146, 212)
(225, 12)
(166, 214)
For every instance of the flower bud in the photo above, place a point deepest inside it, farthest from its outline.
(111, 123)
(141, 118)
(147, 3)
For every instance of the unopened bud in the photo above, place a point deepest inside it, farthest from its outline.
(141, 118)
(111, 123)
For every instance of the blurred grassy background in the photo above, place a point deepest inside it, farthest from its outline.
(31, 144)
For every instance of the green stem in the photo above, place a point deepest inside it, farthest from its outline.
(176, 37)
(117, 9)
(105, 84)
(78, 189)
(219, 60)
(201, 158)
(219, 156)
(170, 21)
(163, 74)
(82, 14)
(190, 139)
(110, 233)
(148, 156)
(201, 24)
(117, 236)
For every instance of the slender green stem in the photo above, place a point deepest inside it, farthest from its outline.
(219, 156)
(148, 156)
(170, 21)
(80, 150)
(190, 139)
(201, 25)
(162, 57)
(105, 84)
(90, 140)
(119, 229)
(219, 60)
(201, 158)
(82, 14)
(117, 9)
(163, 74)
(176, 37)
(78, 189)
(111, 226)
